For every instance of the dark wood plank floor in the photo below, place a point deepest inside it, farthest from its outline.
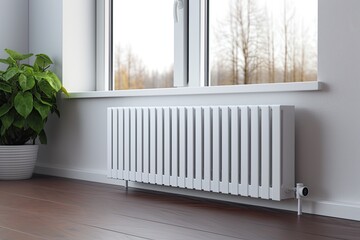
(56, 208)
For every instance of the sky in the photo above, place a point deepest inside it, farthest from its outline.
(146, 26)
(306, 8)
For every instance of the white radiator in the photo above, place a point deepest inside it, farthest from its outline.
(239, 150)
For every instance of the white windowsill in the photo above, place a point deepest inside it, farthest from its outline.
(254, 88)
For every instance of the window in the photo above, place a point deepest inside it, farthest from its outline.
(262, 41)
(166, 43)
(143, 44)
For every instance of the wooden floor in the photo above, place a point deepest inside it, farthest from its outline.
(55, 208)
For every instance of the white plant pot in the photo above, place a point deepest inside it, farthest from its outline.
(17, 162)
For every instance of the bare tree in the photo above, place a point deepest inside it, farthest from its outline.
(233, 38)
(244, 22)
(234, 54)
(257, 43)
(243, 41)
(130, 72)
(294, 55)
(305, 49)
(260, 46)
(117, 68)
(300, 50)
(270, 63)
(289, 18)
(285, 42)
(302, 59)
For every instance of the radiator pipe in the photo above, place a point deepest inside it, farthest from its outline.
(299, 207)
(300, 191)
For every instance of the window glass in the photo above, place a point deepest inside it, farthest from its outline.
(143, 44)
(262, 41)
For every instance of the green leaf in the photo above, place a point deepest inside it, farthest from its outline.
(5, 87)
(7, 120)
(28, 70)
(35, 122)
(42, 137)
(8, 61)
(26, 83)
(51, 79)
(3, 131)
(4, 109)
(22, 78)
(54, 81)
(17, 56)
(40, 75)
(5, 61)
(36, 68)
(23, 103)
(42, 109)
(38, 97)
(10, 73)
(46, 88)
(65, 91)
(20, 123)
(43, 61)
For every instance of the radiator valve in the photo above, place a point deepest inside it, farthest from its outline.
(300, 191)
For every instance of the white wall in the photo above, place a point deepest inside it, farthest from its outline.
(61, 38)
(46, 31)
(327, 123)
(14, 28)
(78, 55)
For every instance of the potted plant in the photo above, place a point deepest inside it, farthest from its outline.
(27, 96)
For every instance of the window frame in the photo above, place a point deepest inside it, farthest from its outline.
(198, 43)
(103, 45)
(181, 43)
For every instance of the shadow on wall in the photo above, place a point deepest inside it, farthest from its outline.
(57, 130)
(309, 157)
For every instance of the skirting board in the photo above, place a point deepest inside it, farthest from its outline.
(311, 206)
